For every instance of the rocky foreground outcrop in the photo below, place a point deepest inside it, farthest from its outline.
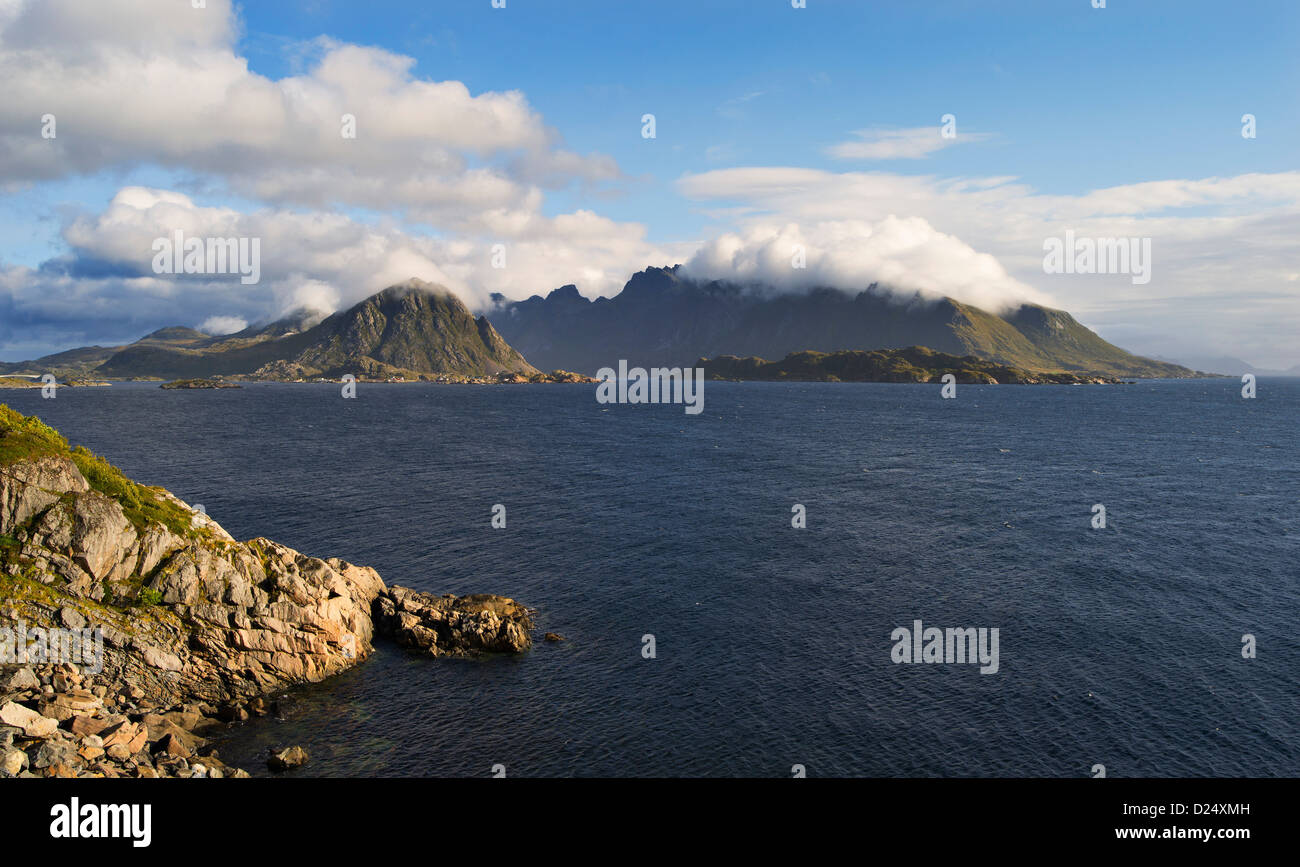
(453, 626)
(196, 627)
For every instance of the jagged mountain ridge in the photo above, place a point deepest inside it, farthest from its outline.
(664, 318)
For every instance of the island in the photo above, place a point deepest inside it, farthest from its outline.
(200, 383)
(913, 364)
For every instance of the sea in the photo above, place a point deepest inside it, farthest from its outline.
(731, 585)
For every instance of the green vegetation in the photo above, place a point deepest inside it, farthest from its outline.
(1044, 340)
(150, 597)
(27, 438)
(142, 505)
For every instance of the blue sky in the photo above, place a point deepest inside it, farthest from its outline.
(1079, 98)
(1055, 98)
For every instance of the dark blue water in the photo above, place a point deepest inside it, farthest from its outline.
(1119, 647)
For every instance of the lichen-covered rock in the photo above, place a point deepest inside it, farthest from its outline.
(101, 536)
(27, 488)
(451, 625)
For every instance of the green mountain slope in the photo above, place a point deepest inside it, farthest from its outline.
(411, 329)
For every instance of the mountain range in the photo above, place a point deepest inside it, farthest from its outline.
(1235, 366)
(661, 318)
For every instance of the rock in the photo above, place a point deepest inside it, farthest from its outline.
(13, 762)
(551, 636)
(29, 487)
(118, 753)
(129, 735)
(233, 713)
(450, 625)
(56, 753)
(160, 729)
(283, 760)
(19, 680)
(101, 533)
(185, 719)
(74, 702)
(62, 681)
(92, 725)
(34, 725)
(173, 746)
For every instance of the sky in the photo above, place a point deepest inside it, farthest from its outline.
(937, 147)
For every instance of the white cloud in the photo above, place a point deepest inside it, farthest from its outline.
(308, 259)
(904, 255)
(1220, 245)
(156, 81)
(898, 144)
(218, 325)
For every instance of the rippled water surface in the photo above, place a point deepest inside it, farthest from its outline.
(1117, 646)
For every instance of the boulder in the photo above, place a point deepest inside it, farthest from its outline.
(75, 702)
(92, 725)
(12, 761)
(126, 734)
(56, 753)
(33, 724)
(172, 745)
(285, 759)
(19, 680)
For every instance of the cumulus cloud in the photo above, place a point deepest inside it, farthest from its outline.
(156, 81)
(1223, 248)
(309, 260)
(906, 256)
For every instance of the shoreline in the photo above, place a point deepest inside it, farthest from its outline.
(132, 624)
